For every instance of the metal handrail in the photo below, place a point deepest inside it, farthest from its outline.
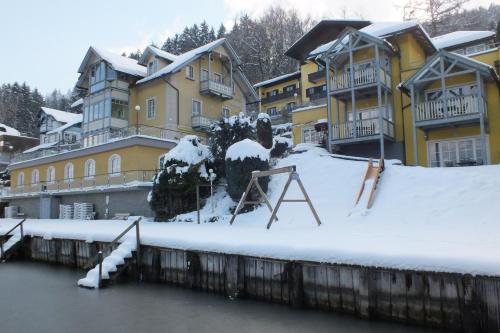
(99, 257)
(20, 225)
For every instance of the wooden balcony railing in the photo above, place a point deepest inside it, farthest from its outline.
(362, 77)
(278, 97)
(364, 128)
(456, 107)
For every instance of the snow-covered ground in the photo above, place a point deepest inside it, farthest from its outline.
(422, 218)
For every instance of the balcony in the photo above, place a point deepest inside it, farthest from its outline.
(366, 130)
(201, 123)
(278, 97)
(459, 109)
(366, 77)
(100, 182)
(315, 77)
(211, 87)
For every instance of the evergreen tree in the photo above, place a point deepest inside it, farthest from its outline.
(221, 32)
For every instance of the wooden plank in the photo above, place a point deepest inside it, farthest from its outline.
(334, 292)
(492, 304)
(346, 289)
(361, 280)
(432, 300)
(450, 302)
(322, 298)
(204, 270)
(399, 310)
(181, 268)
(276, 282)
(309, 283)
(259, 278)
(268, 280)
(415, 297)
(210, 272)
(285, 286)
(384, 307)
(231, 276)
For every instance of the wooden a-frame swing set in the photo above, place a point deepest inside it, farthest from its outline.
(254, 181)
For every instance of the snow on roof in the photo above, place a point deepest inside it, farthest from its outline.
(247, 148)
(159, 53)
(460, 37)
(77, 103)
(62, 128)
(183, 59)
(274, 79)
(377, 29)
(39, 147)
(7, 130)
(186, 151)
(62, 116)
(121, 63)
(309, 107)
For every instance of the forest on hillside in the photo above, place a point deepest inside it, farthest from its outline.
(259, 41)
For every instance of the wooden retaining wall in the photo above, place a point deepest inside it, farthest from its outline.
(454, 301)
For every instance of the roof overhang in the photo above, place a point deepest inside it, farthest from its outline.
(323, 32)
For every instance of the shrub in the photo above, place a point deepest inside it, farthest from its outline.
(281, 145)
(264, 130)
(241, 159)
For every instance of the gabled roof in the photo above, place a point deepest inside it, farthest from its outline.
(157, 52)
(466, 62)
(383, 30)
(188, 57)
(321, 33)
(458, 38)
(61, 116)
(76, 103)
(62, 128)
(278, 79)
(118, 62)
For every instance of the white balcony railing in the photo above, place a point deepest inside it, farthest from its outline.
(364, 128)
(362, 77)
(216, 87)
(103, 181)
(201, 122)
(456, 107)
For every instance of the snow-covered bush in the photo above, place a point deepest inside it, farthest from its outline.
(226, 132)
(174, 185)
(241, 159)
(281, 145)
(264, 130)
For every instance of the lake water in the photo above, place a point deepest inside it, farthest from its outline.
(42, 298)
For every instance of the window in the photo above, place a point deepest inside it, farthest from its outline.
(68, 172)
(290, 88)
(226, 112)
(273, 112)
(114, 165)
(196, 108)
(290, 106)
(309, 135)
(204, 75)
(35, 177)
(475, 48)
(152, 66)
(89, 171)
(151, 102)
(190, 72)
(20, 179)
(459, 152)
(217, 78)
(272, 93)
(51, 174)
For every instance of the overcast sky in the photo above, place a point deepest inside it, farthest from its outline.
(44, 41)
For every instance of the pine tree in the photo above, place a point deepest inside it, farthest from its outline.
(221, 32)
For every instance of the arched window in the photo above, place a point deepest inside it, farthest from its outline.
(69, 172)
(89, 171)
(51, 174)
(114, 165)
(35, 177)
(20, 179)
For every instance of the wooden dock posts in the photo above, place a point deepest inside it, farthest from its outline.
(443, 300)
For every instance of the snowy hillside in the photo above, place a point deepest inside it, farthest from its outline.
(422, 218)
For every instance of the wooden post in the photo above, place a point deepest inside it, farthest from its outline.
(198, 203)
(99, 258)
(138, 250)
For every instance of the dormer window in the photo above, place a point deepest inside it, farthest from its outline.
(152, 66)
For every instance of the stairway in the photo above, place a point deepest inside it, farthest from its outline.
(112, 266)
(10, 246)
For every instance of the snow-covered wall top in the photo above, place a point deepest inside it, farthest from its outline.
(4, 129)
(460, 37)
(247, 148)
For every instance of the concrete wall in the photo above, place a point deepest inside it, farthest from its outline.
(393, 150)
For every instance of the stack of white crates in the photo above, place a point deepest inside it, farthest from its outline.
(83, 211)
(66, 212)
(11, 211)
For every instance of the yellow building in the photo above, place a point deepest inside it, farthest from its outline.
(451, 118)
(134, 112)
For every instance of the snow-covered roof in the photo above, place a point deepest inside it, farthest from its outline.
(62, 128)
(157, 52)
(118, 62)
(379, 30)
(184, 59)
(247, 148)
(62, 116)
(39, 147)
(7, 130)
(276, 79)
(77, 103)
(460, 37)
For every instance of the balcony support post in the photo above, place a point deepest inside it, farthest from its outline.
(443, 88)
(353, 97)
(379, 100)
(480, 109)
(328, 105)
(231, 75)
(209, 68)
(414, 128)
